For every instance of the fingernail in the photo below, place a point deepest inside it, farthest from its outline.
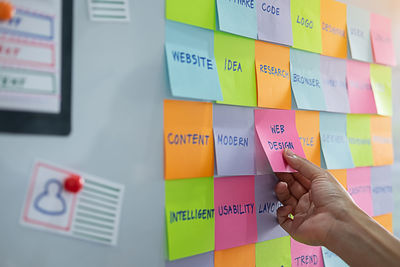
(289, 153)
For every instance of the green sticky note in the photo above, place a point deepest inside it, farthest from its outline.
(359, 136)
(189, 214)
(381, 82)
(306, 24)
(275, 252)
(235, 56)
(200, 13)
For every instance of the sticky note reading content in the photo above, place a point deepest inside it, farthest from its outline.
(303, 255)
(359, 187)
(274, 252)
(382, 140)
(277, 131)
(382, 41)
(359, 136)
(381, 81)
(244, 256)
(307, 124)
(382, 190)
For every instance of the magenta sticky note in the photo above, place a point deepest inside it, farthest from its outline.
(304, 255)
(235, 213)
(277, 131)
(382, 41)
(359, 187)
(361, 96)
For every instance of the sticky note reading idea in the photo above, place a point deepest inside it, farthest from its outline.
(359, 136)
(188, 139)
(358, 30)
(303, 255)
(382, 41)
(381, 81)
(274, 252)
(277, 131)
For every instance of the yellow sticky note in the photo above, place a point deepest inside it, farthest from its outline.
(386, 221)
(244, 256)
(341, 176)
(307, 124)
(381, 82)
(382, 141)
(359, 136)
(275, 252)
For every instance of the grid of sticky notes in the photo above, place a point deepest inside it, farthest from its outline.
(260, 77)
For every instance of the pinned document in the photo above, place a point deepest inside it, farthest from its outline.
(111, 10)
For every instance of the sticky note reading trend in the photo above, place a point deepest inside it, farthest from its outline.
(274, 21)
(274, 252)
(192, 67)
(303, 255)
(382, 190)
(359, 88)
(359, 136)
(273, 76)
(382, 40)
(331, 259)
(306, 24)
(235, 62)
(382, 140)
(202, 260)
(307, 124)
(188, 139)
(235, 213)
(381, 81)
(244, 256)
(238, 17)
(386, 221)
(359, 187)
(277, 131)
(200, 13)
(189, 211)
(234, 140)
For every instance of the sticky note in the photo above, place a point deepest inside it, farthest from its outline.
(192, 68)
(266, 206)
(303, 255)
(306, 25)
(382, 40)
(273, 76)
(238, 17)
(333, 25)
(305, 72)
(331, 259)
(189, 214)
(244, 256)
(333, 74)
(234, 140)
(307, 124)
(359, 187)
(235, 214)
(382, 190)
(341, 176)
(200, 13)
(235, 62)
(381, 81)
(359, 136)
(386, 221)
(274, 21)
(274, 252)
(277, 131)
(201, 260)
(188, 139)
(358, 31)
(334, 143)
(382, 140)
(361, 96)
(262, 164)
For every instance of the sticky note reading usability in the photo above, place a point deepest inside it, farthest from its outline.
(274, 252)
(244, 256)
(381, 81)
(382, 140)
(303, 255)
(277, 131)
(359, 187)
(382, 190)
(382, 41)
(359, 136)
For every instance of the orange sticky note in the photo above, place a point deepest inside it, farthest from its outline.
(334, 34)
(386, 221)
(341, 176)
(382, 141)
(307, 124)
(188, 139)
(273, 76)
(244, 256)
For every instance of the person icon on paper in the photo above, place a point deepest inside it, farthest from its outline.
(50, 201)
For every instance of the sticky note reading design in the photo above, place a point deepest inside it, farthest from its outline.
(303, 255)
(235, 62)
(234, 140)
(359, 136)
(359, 187)
(382, 140)
(273, 76)
(331, 259)
(305, 75)
(274, 21)
(382, 41)
(277, 131)
(307, 124)
(188, 139)
(189, 211)
(238, 17)
(244, 256)
(274, 252)
(235, 212)
(382, 190)
(386, 221)
(202, 260)
(381, 81)
(192, 68)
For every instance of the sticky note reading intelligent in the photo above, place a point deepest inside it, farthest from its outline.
(382, 40)
(274, 252)
(303, 255)
(236, 257)
(359, 187)
(359, 136)
(382, 140)
(382, 190)
(381, 82)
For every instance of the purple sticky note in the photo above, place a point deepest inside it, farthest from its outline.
(266, 206)
(359, 187)
(382, 192)
(201, 260)
(234, 140)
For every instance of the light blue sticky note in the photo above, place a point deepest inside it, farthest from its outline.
(192, 68)
(306, 81)
(382, 190)
(331, 259)
(334, 143)
(238, 17)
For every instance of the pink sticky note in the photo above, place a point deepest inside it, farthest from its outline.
(235, 212)
(277, 131)
(303, 255)
(359, 187)
(361, 96)
(382, 41)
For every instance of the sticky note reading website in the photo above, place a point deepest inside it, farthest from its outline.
(359, 187)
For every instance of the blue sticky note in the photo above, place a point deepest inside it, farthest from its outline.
(382, 190)
(331, 259)
(238, 17)
(192, 68)
(334, 143)
(305, 73)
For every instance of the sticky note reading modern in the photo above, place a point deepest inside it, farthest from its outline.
(382, 140)
(382, 40)
(274, 252)
(359, 187)
(382, 190)
(381, 81)
(359, 136)
(303, 255)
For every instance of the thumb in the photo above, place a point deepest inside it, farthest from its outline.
(303, 166)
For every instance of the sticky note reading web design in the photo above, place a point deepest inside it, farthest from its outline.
(359, 187)
(382, 190)
(359, 136)
(331, 259)
(188, 139)
(244, 256)
(189, 211)
(307, 124)
(201, 260)
(381, 82)
(382, 140)
(274, 252)
(235, 212)
(303, 255)
(277, 131)
(358, 30)
(234, 140)
(192, 68)
(382, 40)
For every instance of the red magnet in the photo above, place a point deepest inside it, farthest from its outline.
(7, 10)
(73, 184)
